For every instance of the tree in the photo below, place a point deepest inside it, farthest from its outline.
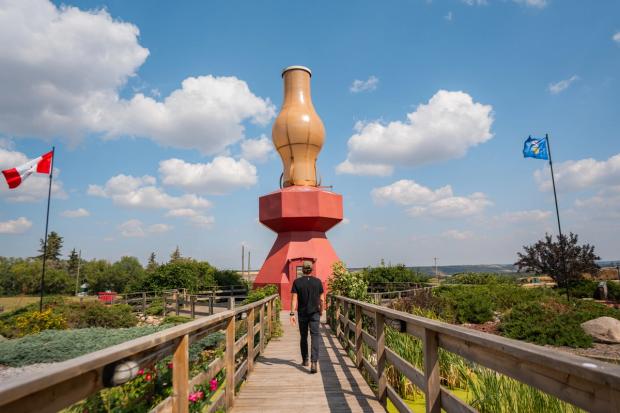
(563, 260)
(54, 247)
(182, 273)
(73, 262)
(152, 265)
(176, 255)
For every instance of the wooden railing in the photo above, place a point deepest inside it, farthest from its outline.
(202, 303)
(74, 380)
(586, 383)
(380, 298)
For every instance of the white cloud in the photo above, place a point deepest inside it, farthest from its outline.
(533, 215)
(222, 175)
(605, 205)
(134, 228)
(581, 174)
(457, 235)
(449, 17)
(63, 68)
(423, 201)
(193, 216)
(407, 192)
(142, 192)
(159, 228)
(539, 4)
(367, 85)
(75, 213)
(444, 128)
(256, 149)
(348, 167)
(32, 189)
(616, 37)
(207, 114)
(475, 2)
(562, 85)
(58, 64)
(15, 226)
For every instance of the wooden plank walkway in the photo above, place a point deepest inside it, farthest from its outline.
(280, 384)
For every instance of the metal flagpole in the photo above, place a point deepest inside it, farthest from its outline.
(47, 219)
(557, 214)
(77, 276)
(555, 195)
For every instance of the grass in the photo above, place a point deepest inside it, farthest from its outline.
(18, 301)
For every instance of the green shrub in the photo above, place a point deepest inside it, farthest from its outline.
(156, 307)
(34, 322)
(260, 293)
(392, 273)
(613, 291)
(549, 322)
(58, 345)
(176, 319)
(581, 289)
(464, 304)
(348, 284)
(97, 314)
(480, 278)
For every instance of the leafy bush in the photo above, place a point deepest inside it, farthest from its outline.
(348, 284)
(465, 304)
(581, 289)
(176, 319)
(260, 293)
(544, 323)
(75, 315)
(554, 321)
(480, 278)
(97, 314)
(613, 291)
(34, 322)
(181, 273)
(392, 273)
(156, 307)
(225, 278)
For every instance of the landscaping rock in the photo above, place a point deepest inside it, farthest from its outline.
(603, 329)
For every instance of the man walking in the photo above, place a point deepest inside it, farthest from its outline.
(309, 300)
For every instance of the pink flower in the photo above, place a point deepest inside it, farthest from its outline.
(199, 395)
(140, 372)
(170, 365)
(194, 397)
(213, 385)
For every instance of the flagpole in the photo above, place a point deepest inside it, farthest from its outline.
(555, 195)
(47, 219)
(557, 214)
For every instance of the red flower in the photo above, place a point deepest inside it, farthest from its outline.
(213, 385)
(148, 377)
(140, 372)
(170, 365)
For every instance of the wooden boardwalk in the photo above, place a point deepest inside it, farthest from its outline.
(280, 384)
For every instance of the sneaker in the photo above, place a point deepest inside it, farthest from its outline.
(313, 367)
(304, 363)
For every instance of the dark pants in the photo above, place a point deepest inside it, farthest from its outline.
(311, 321)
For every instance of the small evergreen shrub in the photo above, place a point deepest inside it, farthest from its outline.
(466, 304)
(545, 323)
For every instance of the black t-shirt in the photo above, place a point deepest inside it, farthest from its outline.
(308, 290)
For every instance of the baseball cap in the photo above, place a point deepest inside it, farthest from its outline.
(307, 264)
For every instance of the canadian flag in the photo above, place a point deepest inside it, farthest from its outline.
(42, 165)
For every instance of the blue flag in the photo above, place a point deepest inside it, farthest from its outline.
(535, 148)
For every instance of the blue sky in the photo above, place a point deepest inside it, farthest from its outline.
(161, 116)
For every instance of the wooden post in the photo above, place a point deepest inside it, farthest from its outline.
(358, 336)
(178, 304)
(211, 305)
(431, 371)
(231, 303)
(180, 377)
(337, 315)
(250, 320)
(262, 329)
(346, 325)
(270, 318)
(229, 363)
(193, 305)
(144, 304)
(381, 379)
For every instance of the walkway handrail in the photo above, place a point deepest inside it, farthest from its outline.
(589, 384)
(74, 380)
